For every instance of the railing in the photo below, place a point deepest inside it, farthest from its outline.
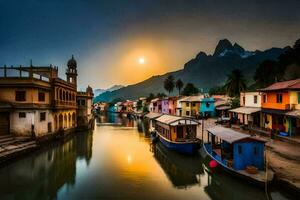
(63, 103)
(19, 72)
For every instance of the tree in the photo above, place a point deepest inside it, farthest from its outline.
(139, 105)
(235, 83)
(217, 90)
(190, 89)
(150, 97)
(169, 84)
(179, 85)
(268, 72)
(235, 102)
(161, 95)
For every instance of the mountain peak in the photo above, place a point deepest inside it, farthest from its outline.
(223, 45)
(238, 48)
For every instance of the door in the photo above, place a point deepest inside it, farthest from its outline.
(179, 132)
(4, 123)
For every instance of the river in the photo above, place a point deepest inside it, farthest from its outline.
(116, 161)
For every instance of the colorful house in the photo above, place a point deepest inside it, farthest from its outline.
(165, 105)
(172, 105)
(249, 112)
(207, 107)
(155, 105)
(281, 108)
(190, 106)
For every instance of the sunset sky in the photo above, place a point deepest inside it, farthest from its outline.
(127, 41)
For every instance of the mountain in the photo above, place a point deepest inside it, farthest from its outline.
(98, 92)
(204, 71)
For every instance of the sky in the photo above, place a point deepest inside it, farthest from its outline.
(110, 38)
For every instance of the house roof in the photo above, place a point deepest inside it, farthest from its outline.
(176, 120)
(229, 135)
(291, 84)
(293, 113)
(191, 99)
(245, 110)
(153, 115)
(223, 107)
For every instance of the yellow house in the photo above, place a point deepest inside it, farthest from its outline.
(190, 105)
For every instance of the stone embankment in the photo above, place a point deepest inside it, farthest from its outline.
(11, 147)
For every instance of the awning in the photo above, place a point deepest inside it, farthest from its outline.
(176, 120)
(153, 115)
(245, 110)
(293, 113)
(229, 135)
(223, 108)
(273, 111)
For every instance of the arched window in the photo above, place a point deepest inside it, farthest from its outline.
(60, 95)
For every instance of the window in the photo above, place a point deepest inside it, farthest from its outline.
(49, 127)
(22, 115)
(298, 97)
(187, 113)
(239, 149)
(187, 104)
(265, 98)
(20, 96)
(41, 96)
(83, 102)
(207, 105)
(42, 116)
(193, 104)
(244, 100)
(255, 99)
(279, 98)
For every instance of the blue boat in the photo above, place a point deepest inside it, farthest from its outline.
(239, 154)
(178, 133)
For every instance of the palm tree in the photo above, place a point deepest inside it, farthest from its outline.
(169, 84)
(235, 83)
(179, 85)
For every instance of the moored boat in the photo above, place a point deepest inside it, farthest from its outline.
(178, 133)
(239, 154)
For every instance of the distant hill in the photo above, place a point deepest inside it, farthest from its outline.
(98, 92)
(204, 71)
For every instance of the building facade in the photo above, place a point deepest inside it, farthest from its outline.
(35, 102)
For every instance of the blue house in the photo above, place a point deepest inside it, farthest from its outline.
(207, 107)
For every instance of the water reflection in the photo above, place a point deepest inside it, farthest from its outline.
(183, 171)
(40, 175)
(116, 162)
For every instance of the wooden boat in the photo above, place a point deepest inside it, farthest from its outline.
(178, 133)
(239, 154)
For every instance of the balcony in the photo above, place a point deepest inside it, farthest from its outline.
(61, 104)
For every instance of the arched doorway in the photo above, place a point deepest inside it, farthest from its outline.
(61, 120)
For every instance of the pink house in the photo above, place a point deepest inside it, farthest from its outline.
(165, 105)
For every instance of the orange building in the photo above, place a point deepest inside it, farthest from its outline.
(281, 107)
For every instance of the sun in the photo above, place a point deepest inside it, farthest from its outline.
(141, 60)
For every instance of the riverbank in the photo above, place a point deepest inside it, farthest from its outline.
(12, 148)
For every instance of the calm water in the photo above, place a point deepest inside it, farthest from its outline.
(116, 161)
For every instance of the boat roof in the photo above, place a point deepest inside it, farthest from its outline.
(230, 135)
(245, 110)
(176, 120)
(153, 115)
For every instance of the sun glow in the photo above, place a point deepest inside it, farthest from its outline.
(141, 60)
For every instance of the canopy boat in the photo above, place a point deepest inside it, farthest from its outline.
(178, 133)
(240, 154)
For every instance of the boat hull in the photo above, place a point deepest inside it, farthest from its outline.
(188, 148)
(233, 172)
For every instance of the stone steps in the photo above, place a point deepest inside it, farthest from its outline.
(11, 147)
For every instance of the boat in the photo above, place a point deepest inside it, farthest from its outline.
(178, 133)
(239, 154)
